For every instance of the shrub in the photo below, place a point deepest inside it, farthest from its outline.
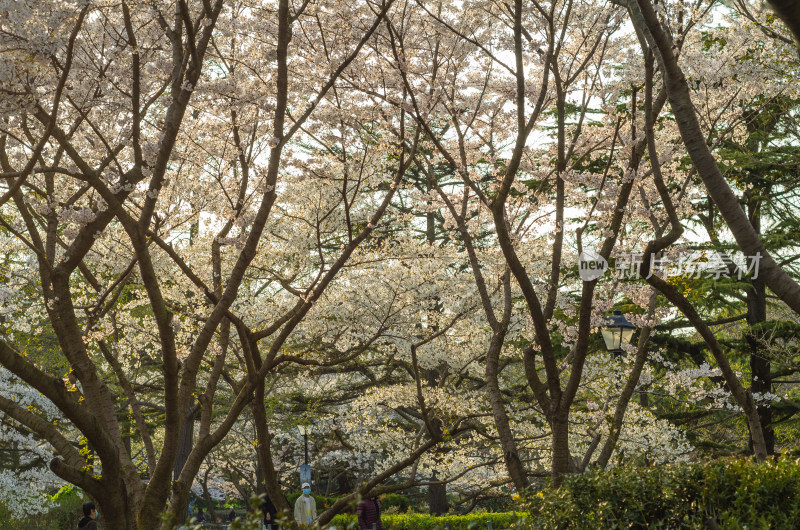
(761, 496)
(393, 499)
(730, 493)
(323, 503)
(416, 521)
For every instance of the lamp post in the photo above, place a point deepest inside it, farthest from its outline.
(617, 331)
(304, 430)
(305, 469)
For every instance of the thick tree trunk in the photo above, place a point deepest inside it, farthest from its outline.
(437, 498)
(116, 509)
(562, 457)
(270, 484)
(184, 448)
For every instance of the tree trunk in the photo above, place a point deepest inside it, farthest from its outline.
(562, 458)
(510, 454)
(760, 366)
(270, 485)
(184, 448)
(115, 507)
(437, 493)
(437, 498)
(212, 513)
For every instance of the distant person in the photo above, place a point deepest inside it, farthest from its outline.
(270, 513)
(89, 514)
(201, 517)
(369, 514)
(305, 508)
(232, 515)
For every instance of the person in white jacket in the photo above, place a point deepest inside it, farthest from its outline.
(305, 508)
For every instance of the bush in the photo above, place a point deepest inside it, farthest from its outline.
(323, 503)
(761, 496)
(731, 493)
(416, 521)
(393, 499)
(65, 509)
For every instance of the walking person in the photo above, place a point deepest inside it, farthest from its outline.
(201, 517)
(270, 513)
(305, 508)
(232, 515)
(369, 514)
(89, 514)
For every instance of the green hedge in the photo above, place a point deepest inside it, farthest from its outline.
(392, 499)
(728, 493)
(416, 521)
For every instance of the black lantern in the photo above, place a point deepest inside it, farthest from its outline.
(617, 331)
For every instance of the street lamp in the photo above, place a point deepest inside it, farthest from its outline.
(617, 331)
(304, 431)
(305, 469)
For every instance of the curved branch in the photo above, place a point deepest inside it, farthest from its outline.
(43, 428)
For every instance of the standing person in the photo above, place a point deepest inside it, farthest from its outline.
(89, 514)
(305, 508)
(270, 513)
(232, 515)
(201, 517)
(369, 514)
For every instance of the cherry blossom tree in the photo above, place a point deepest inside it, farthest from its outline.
(126, 129)
(220, 217)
